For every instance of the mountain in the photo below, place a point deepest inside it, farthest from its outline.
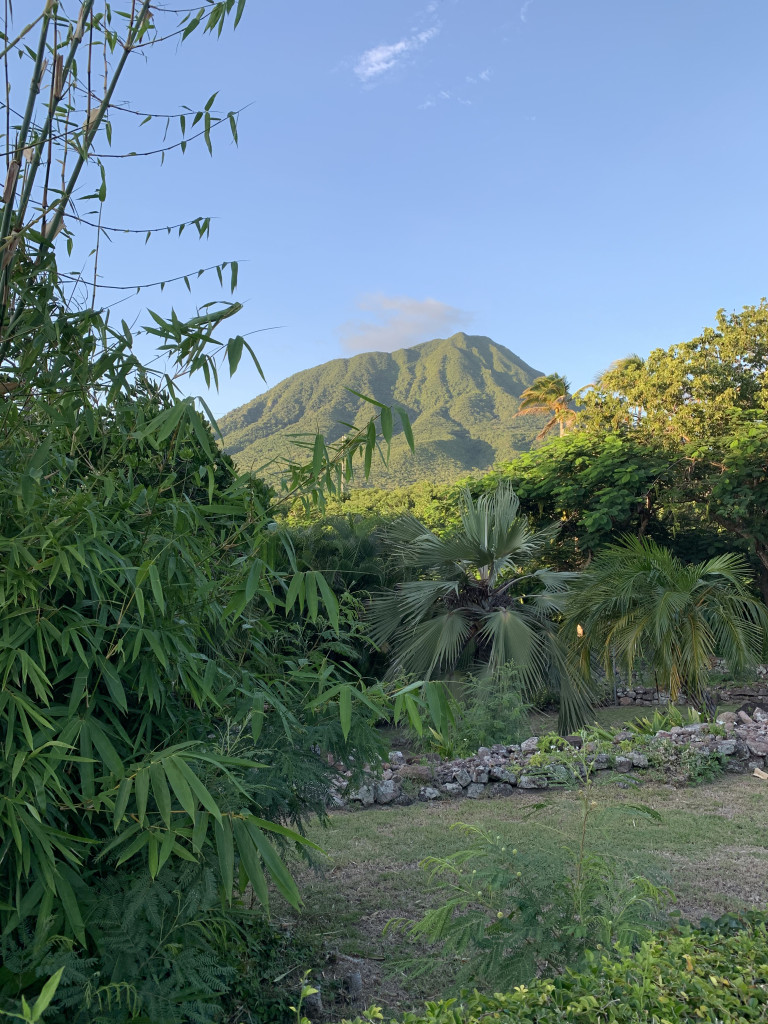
(461, 394)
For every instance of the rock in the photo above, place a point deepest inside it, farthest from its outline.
(480, 775)
(396, 757)
(462, 776)
(600, 762)
(429, 793)
(622, 764)
(335, 800)
(416, 772)
(353, 985)
(727, 747)
(626, 701)
(386, 791)
(404, 800)
(744, 717)
(451, 789)
(575, 741)
(501, 789)
(386, 774)
(726, 718)
(499, 774)
(759, 715)
(532, 782)
(474, 790)
(530, 745)
(638, 760)
(483, 752)
(696, 727)
(513, 748)
(757, 747)
(313, 1005)
(363, 796)
(623, 734)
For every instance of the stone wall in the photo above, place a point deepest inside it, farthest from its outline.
(733, 693)
(502, 771)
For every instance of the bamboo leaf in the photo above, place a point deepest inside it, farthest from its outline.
(226, 853)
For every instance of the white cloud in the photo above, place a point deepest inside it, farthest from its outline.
(379, 59)
(485, 76)
(397, 321)
(524, 10)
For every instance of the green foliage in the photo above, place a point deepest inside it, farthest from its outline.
(665, 719)
(474, 608)
(163, 691)
(523, 925)
(680, 764)
(550, 395)
(703, 403)
(596, 485)
(718, 977)
(488, 710)
(457, 392)
(637, 601)
(435, 505)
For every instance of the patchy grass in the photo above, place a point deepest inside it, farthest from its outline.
(710, 848)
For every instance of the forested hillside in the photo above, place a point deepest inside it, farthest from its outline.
(461, 394)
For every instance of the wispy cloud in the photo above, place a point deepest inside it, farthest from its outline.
(524, 10)
(397, 321)
(380, 59)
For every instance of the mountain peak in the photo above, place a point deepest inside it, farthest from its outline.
(461, 393)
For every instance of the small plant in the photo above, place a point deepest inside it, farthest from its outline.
(526, 924)
(552, 742)
(685, 766)
(661, 721)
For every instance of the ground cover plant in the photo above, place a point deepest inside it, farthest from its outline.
(715, 975)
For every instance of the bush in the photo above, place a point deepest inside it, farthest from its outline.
(673, 977)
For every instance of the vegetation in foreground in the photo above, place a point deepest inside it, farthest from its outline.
(717, 975)
(708, 847)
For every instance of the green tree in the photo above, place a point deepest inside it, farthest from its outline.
(701, 405)
(474, 607)
(638, 603)
(693, 392)
(551, 395)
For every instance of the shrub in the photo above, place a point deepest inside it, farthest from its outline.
(674, 977)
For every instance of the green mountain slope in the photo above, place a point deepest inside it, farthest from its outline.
(461, 394)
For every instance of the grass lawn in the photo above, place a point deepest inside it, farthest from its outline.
(710, 848)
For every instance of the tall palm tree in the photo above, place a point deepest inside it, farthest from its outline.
(475, 608)
(637, 602)
(551, 395)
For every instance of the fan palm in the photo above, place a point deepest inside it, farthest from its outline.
(473, 608)
(639, 603)
(551, 395)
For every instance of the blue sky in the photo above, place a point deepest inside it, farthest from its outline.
(576, 180)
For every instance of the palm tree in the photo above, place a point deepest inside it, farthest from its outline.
(551, 395)
(473, 608)
(637, 602)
